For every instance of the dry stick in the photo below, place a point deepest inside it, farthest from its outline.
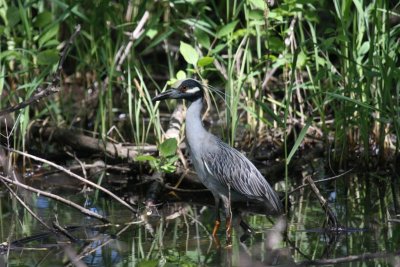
(55, 197)
(363, 257)
(133, 36)
(324, 204)
(321, 181)
(174, 188)
(64, 232)
(26, 206)
(96, 248)
(75, 176)
(84, 142)
(53, 86)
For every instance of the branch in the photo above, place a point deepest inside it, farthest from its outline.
(55, 197)
(133, 36)
(324, 204)
(75, 176)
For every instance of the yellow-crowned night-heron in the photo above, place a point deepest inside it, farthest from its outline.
(227, 173)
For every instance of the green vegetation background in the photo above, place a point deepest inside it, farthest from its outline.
(331, 66)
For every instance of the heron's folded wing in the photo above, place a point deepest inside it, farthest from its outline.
(231, 167)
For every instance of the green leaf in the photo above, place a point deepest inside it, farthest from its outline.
(50, 34)
(47, 57)
(260, 4)
(256, 14)
(168, 147)
(151, 33)
(13, 17)
(351, 100)
(168, 168)
(301, 59)
(298, 141)
(204, 61)
(43, 19)
(145, 158)
(180, 75)
(227, 29)
(172, 160)
(202, 38)
(189, 53)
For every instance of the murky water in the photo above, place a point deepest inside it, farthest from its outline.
(179, 234)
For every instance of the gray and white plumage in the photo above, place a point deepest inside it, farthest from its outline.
(220, 167)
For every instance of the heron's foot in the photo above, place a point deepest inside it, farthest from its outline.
(216, 227)
(228, 231)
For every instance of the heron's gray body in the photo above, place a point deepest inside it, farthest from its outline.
(222, 168)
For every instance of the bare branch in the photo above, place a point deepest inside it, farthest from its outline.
(55, 197)
(75, 176)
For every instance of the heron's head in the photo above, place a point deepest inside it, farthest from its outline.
(188, 89)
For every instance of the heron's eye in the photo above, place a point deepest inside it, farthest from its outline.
(184, 88)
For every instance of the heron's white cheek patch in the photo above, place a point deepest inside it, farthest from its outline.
(193, 90)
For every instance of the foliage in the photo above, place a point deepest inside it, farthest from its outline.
(331, 63)
(167, 158)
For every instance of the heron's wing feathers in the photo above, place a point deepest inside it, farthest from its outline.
(229, 166)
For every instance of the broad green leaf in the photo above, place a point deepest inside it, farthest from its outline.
(189, 53)
(145, 158)
(227, 29)
(256, 14)
(204, 61)
(180, 75)
(151, 33)
(173, 159)
(168, 147)
(202, 38)
(301, 59)
(260, 4)
(13, 17)
(43, 19)
(47, 57)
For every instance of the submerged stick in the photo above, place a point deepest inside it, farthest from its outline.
(30, 211)
(121, 201)
(324, 204)
(55, 197)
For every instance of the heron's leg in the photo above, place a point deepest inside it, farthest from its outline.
(228, 212)
(217, 217)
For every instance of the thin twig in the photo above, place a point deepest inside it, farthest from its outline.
(168, 186)
(75, 176)
(56, 197)
(322, 180)
(34, 215)
(133, 36)
(361, 257)
(324, 204)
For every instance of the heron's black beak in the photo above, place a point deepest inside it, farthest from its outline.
(172, 93)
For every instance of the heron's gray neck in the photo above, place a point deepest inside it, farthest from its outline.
(194, 126)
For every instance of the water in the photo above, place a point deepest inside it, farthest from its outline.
(178, 234)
